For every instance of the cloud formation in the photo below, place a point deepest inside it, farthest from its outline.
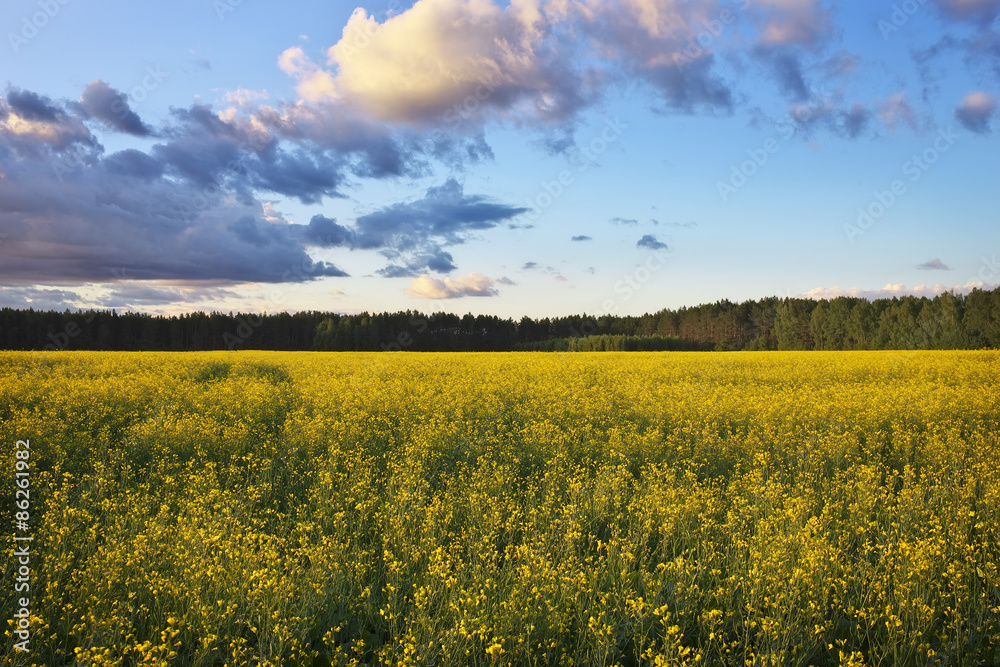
(105, 104)
(476, 60)
(933, 265)
(976, 111)
(474, 284)
(650, 241)
(412, 234)
(896, 111)
(981, 12)
(195, 206)
(895, 289)
(541, 62)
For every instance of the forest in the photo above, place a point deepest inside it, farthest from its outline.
(948, 321)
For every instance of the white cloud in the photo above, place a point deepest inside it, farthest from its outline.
(539, 61)
(315, 83)
(464, 57)
(242, 97)
(474, 284)
(894, 289)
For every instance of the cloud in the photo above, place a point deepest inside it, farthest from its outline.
(896, 110)
(528, 266)
(856, 120)
(241, 97)
(39, 298)
(650, 241)
(581, 237)
(476, 61)
(787, 69)
(107, 213)
(894, 290)
(324, 232)
(976, 111)
(33, 107)
(195, 205)
(417, 230)
(504, 280)
(141, 296)
(541, 62)
(315, 83)
(31, 124)
(658, 42)
(105, 104)
(981, 12)
(624, 221)
(474, 284)
(933, 265)
(803, 23)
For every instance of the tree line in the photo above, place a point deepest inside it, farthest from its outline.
(947, 321)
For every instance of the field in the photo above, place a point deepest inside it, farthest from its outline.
(493, 509)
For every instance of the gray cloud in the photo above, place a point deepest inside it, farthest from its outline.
(787, 69)
(39, 298)
(102, 102)
(141, 296)
(976, 111)
(855, 120)
(191, 207)
(933, 265)
(581, 237)
(418, 230)
(650, 241)
(980, 12)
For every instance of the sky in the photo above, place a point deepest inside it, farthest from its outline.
(530, 157)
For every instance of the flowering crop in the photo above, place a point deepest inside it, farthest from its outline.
(273, 508)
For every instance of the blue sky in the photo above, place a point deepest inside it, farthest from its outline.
(539, 157)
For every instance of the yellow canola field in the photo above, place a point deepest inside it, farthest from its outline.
(267, 508)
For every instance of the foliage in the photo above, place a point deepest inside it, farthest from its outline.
(947, 321)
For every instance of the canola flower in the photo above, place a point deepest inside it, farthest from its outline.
(742, 509)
